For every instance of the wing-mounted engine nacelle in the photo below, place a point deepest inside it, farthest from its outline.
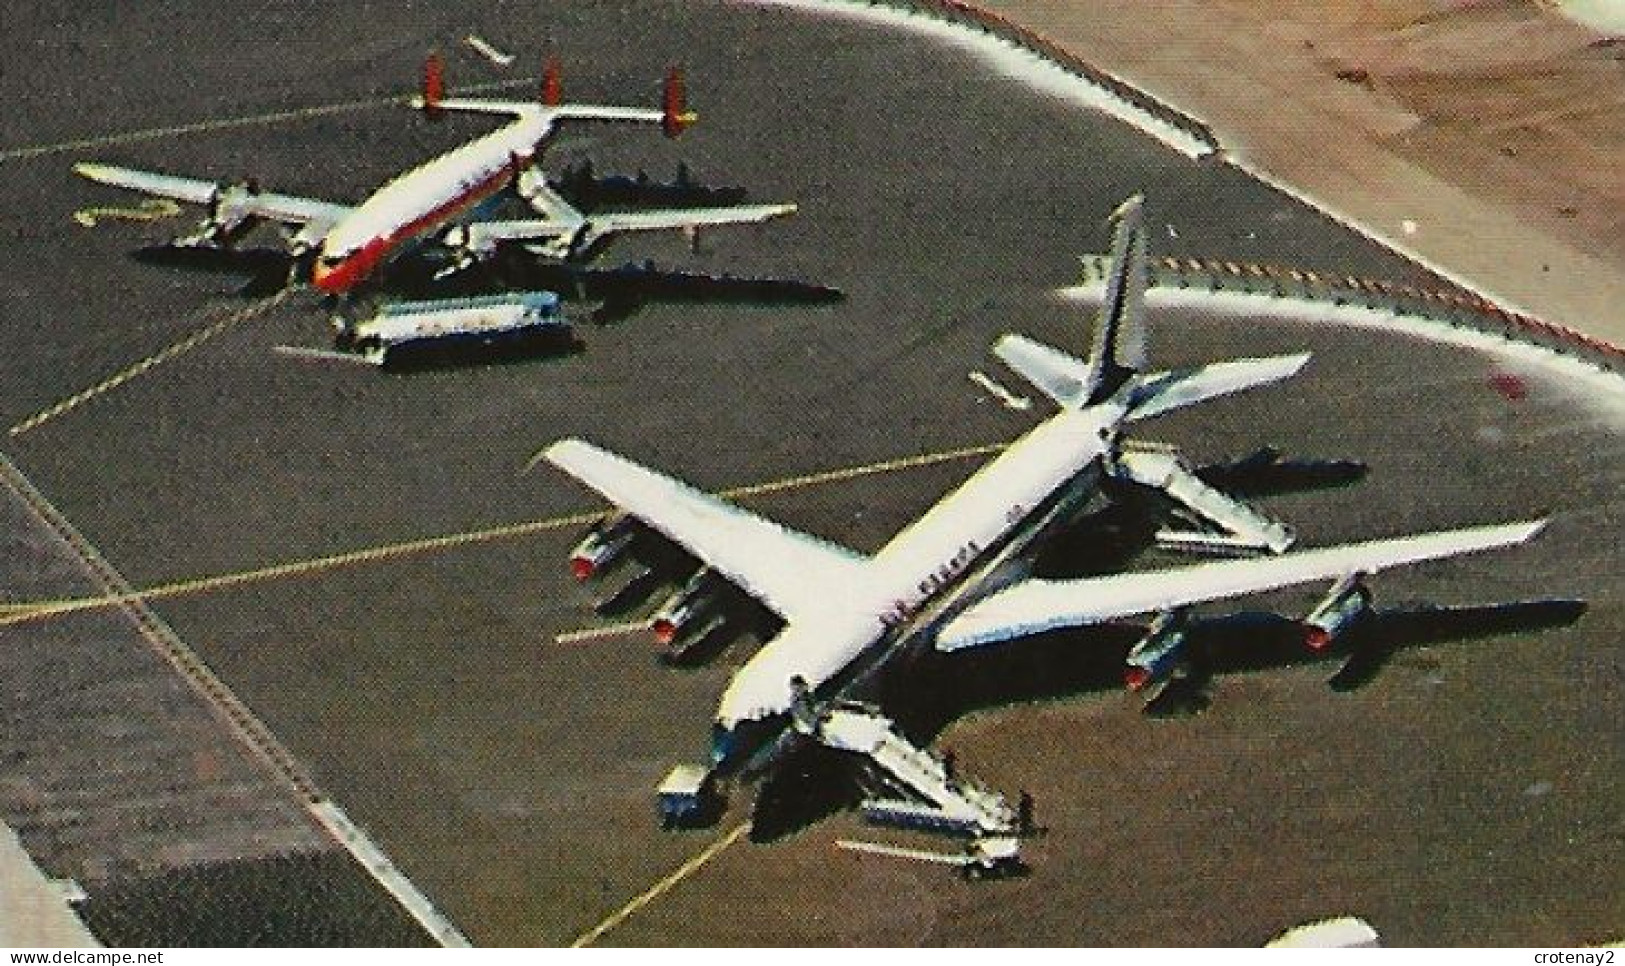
(1348, 601)
(344, 316)
(468, 247)
(579, 244)
(606, 546)
(530, 184)
(688, 607)
(1155, 658)
(230, 216)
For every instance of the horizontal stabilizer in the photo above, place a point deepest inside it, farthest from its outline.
(1061, 377)
(1034, 606)
(1165, 391)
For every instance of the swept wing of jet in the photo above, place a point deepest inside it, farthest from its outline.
(1033, 606)
(793, 573)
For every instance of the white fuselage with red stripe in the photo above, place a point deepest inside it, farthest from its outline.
(425, 199)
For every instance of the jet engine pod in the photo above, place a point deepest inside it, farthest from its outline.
(1158, 654)
(1348, 601)
(686, 606)
(605, 546)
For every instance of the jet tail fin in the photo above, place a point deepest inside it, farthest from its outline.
(1119, 349)
(431, 98)
(1118, 356)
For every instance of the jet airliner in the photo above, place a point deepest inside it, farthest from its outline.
(955, 578)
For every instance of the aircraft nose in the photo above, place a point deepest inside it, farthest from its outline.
(327, 277)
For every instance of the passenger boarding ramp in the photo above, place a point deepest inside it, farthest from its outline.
(1224, 523)
(926, 795)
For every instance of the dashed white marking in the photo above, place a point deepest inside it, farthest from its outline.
(325, 355)
(597, 633)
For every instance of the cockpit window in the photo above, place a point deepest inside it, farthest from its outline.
(330, 261)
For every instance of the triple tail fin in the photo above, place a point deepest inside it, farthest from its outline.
(1119, 349)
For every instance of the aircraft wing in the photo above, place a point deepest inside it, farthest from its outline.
(1039, 605)
(288, 209)
(791, 572)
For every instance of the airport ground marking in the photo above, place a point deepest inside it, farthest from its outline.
(299, 568)
(662, 887)
(596, 633)
(236, 717)
(25, 611)
(248, 120)
(197, 338)
(490, 53)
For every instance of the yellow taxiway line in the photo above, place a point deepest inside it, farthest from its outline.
(660, 888)
(151, 362)
(249, 120)
(19, 612)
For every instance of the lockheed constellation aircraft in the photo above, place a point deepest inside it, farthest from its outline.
(441, 200)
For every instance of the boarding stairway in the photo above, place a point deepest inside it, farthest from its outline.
(944, 802)
(1237, 527)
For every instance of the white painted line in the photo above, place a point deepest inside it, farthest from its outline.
(1366, 231)
(1006, 398)
(395, 882)
(597, 633)
(1011, 60)
(490, 53)
(325, 355)
(897, 852)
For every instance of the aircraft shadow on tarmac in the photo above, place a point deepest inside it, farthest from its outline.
(617, 293)
(927, 691)
(586, 191)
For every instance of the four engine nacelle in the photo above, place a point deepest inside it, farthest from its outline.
(684, 608)
(604, 547)
(230, 217)
(1155, 657)
(1347, 602)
